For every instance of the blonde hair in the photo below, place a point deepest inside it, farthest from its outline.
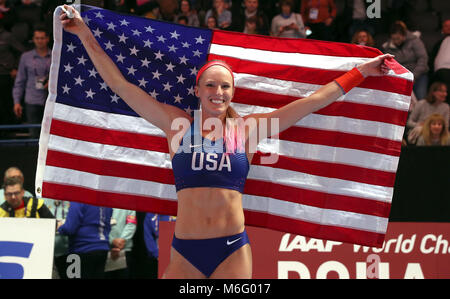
(370, 40)
(426, 130)
(234, 132)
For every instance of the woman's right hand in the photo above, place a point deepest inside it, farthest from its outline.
(73, 25)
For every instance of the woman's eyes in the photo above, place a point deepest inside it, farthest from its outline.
(224, 86)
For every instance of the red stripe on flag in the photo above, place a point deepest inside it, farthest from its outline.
(344, 140)
(108, 136)
(110, 168)
(293, 45)
(318, 231)
(317, 199)
(328, 169)
(109, 199)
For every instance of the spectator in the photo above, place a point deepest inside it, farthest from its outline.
(211, 22)
(10, 50)
(433, 103)
(88, 228)
(150, 10)
(409, 51)
(251, 25)
(318, 16)
(187, 12)
(287, 23)
(10, 173)
(355, 11)
(60, 209)
(32, 80)
(440, 58)
(434, 132)
(363, 38)
(221, 13)
(250, 10)
(182, 20)
(123, 227)
(19, 206)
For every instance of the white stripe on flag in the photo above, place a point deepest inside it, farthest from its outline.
(104, 120)
(322, 184)
(109, 152)
(290, 59)
(335, 123)
(119, 185)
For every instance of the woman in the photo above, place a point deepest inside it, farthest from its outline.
(186, 11)
(363, 38)
(210, 238)
(221, 13)
(211, 23)
(434, 131)
(433, 103)
(287, 23)
(409, 51)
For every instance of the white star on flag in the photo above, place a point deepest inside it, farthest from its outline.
(66, 89)
(90, 93)
(167, 86)
(111, 26)
(142, 82)
(70, 47)
(79, 81)
(68, 68)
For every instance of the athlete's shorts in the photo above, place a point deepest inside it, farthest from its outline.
(207, 254)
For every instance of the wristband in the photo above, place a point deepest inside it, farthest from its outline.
(350, 79)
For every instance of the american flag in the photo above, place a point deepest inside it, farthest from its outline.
(335, 168)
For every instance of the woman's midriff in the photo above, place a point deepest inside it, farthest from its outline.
(205, 213)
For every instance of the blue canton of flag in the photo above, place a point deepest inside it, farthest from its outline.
(161, 58)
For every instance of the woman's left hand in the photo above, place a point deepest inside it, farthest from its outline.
(376, 66)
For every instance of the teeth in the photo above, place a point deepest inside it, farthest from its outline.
(217, 101)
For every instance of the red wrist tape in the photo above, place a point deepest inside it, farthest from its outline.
(350, 79)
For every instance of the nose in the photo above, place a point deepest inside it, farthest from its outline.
(219, 90)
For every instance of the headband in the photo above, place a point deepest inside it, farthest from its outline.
(210, 64)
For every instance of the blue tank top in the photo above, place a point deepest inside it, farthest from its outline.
(200, 162)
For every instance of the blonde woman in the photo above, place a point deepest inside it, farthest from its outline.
(210, 240)
(434, 132)
(433, 103)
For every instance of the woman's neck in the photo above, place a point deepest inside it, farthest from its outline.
(210, 126)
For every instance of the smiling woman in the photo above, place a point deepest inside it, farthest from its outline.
(210, 239)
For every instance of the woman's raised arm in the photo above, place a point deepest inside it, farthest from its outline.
(159, 114)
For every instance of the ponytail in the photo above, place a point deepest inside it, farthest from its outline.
(234, 132)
